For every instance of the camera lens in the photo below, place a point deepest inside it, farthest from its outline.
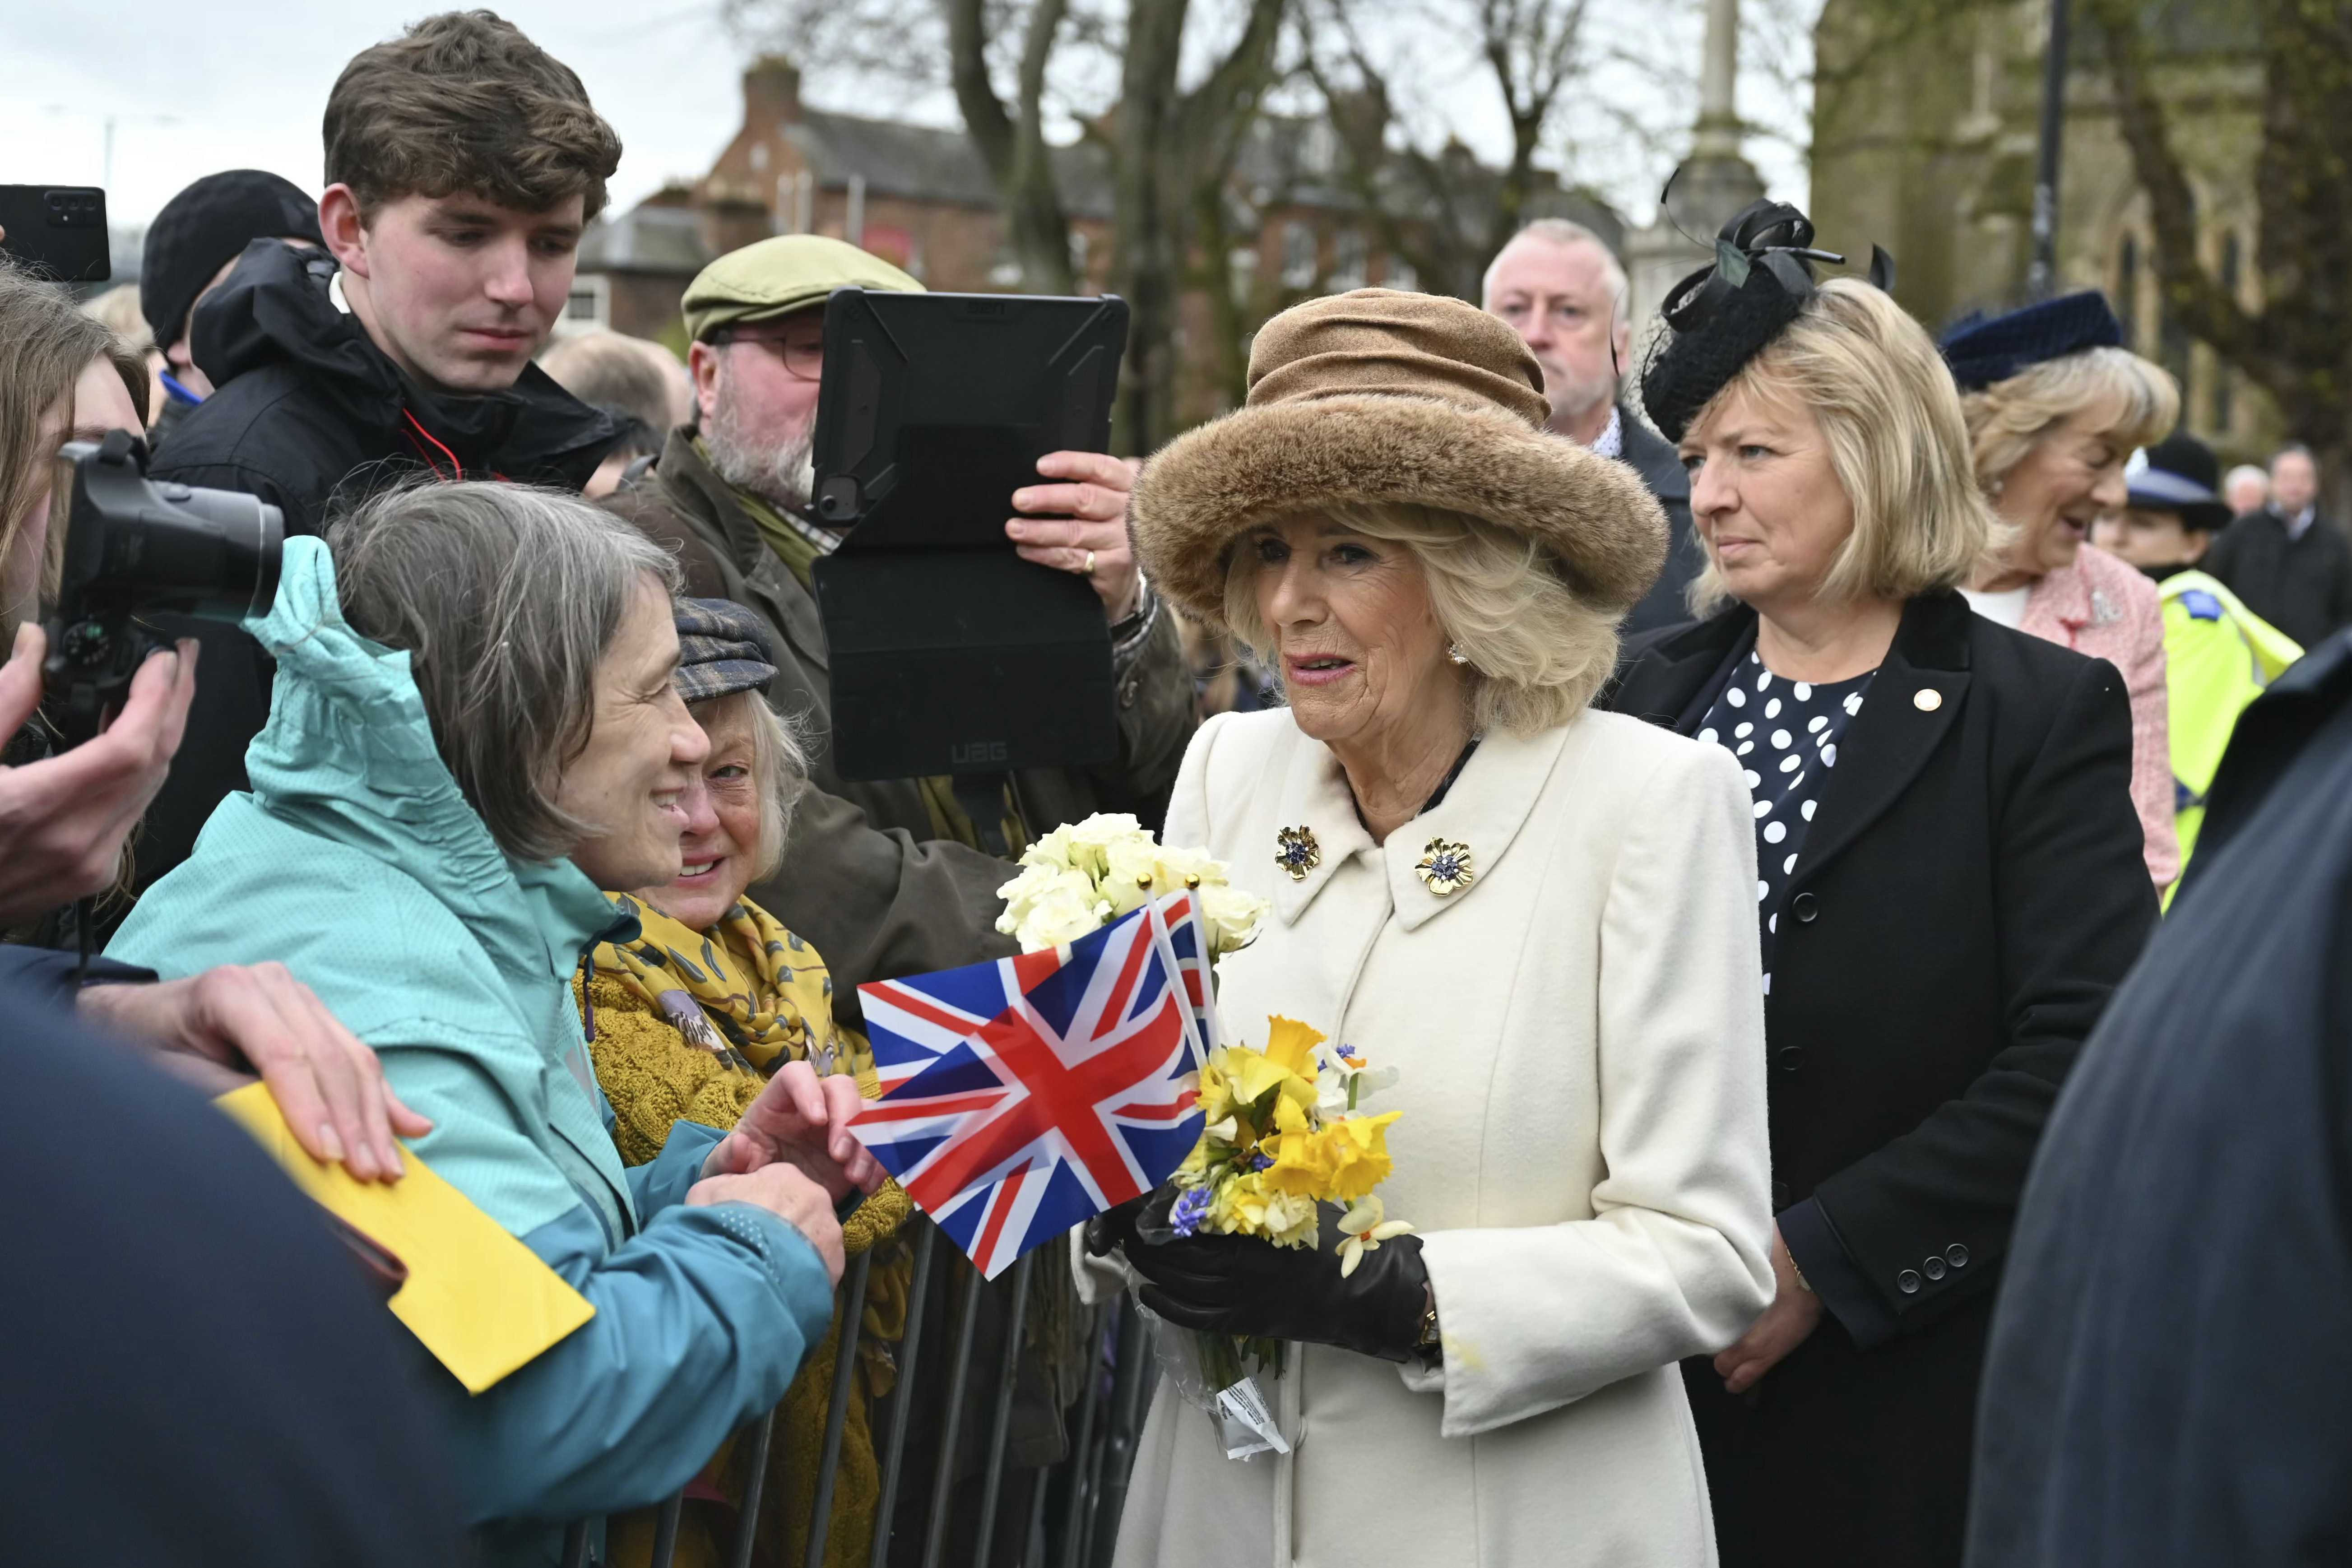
(136, 546)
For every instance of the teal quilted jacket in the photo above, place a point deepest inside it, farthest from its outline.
(356, 862)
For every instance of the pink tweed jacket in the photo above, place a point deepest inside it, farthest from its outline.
(2104, 607)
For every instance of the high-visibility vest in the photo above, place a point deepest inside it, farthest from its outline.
(2218, 657)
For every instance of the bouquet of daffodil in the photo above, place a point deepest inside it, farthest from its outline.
(1284, 1135)
(1083, 876)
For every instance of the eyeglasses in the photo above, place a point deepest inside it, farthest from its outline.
(802, 349)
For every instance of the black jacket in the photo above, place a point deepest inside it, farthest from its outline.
(311, 411)
(2301, 586)
(311, 415)
(1654, 458)
(2170, 1383)
(197, 1374)
(1969, 894)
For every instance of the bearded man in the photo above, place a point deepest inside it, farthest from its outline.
(883, 878)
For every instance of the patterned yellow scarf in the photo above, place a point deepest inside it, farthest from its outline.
(747, 990)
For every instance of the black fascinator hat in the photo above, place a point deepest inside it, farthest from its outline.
(1722, 316)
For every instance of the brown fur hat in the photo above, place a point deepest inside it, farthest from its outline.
(1383, 397)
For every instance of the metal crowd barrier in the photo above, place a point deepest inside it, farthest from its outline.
(1090, 1478)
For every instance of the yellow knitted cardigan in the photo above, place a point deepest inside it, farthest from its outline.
(653, 1077)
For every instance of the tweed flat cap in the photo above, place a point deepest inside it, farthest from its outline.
(777, 276)
(722, 648)
(1377, 396)
(1982, 350)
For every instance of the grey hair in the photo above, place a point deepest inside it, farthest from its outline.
(1564, 231)
(779, 768)
(504, 598)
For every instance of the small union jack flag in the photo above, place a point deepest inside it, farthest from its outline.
(1188, 942)
(1023, 1097)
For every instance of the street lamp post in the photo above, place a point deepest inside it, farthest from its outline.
(108, 119)
(2042, 278)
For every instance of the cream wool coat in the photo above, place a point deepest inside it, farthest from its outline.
(1580, 1034)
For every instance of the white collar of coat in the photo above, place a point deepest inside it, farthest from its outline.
(1484, 809)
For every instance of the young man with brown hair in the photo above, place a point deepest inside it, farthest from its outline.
(462, 162)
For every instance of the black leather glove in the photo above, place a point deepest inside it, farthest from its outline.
(1114, 1227)
(1245, 1285)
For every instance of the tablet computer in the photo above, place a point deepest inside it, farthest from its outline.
(948, 653)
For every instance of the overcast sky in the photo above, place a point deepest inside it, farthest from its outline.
(245, 81)
(196, 86)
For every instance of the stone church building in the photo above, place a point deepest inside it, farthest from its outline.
(1925, 139)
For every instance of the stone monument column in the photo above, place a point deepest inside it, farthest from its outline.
(1716, 179)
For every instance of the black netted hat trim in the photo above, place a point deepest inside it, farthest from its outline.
(1721, 317)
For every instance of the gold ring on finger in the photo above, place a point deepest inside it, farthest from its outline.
(1089, 569)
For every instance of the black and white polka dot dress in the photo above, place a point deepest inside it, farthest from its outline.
(1785, 734)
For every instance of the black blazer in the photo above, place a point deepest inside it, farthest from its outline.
(1654, 458)
(1969, 893)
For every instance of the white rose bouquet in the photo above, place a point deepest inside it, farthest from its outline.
(1083, 876)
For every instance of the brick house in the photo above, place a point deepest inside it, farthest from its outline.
(919, 197)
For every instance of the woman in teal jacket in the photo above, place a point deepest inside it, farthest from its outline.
(448, 778)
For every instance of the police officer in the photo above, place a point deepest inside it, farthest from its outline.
(2217, 654)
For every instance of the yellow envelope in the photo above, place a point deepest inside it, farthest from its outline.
(481, 1301)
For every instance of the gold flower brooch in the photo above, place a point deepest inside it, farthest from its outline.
(1445, 867)
(1296, 851)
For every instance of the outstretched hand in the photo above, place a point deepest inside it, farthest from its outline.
(328, 1085)
(802, 1121)
(63, 819)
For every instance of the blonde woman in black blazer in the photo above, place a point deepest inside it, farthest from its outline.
(1950, 887)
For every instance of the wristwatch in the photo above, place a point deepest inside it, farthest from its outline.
(1429, 1338)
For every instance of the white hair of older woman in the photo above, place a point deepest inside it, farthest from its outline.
(779, 767)
(2133, 401)
(1539, 653)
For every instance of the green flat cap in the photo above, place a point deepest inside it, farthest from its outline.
(776, 277)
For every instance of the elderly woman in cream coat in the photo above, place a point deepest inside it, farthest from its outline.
(1542, 915)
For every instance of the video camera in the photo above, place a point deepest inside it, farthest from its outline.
(133, 547)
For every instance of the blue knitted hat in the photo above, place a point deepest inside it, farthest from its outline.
(1982, 350)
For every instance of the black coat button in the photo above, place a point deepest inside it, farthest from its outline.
(1933, 1267)
(1907, 1281)
(1804, 906)
(1779, 1194)
(1791, 1059)
(1957, 1256)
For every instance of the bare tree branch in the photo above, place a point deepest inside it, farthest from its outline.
(1012, 143)
(2297, 346)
